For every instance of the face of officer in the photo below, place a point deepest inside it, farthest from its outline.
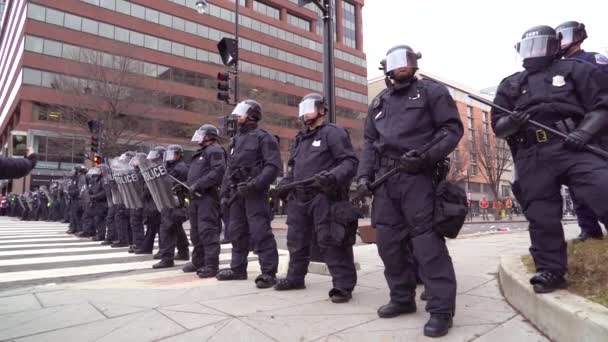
(312, 113)
(403, 74)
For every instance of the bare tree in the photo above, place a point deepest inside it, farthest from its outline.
(493, 158)
(111, 94)
(459, 164)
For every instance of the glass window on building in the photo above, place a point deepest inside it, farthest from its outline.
(123, 7)
(298, 22)
(36, 12)
(54, 17)
(106, 30)
(349, 22)
(121, 34)
(52, 48)
(32, 77)
(136, 38)
(151, 42)
(90, 26)
(266, 9)
(165, 20)
(34, 44)
(152, 15)
(138, 11)
(73, 22)
(109, 4)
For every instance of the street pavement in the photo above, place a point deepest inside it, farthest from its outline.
(48, 294)
(33, 253)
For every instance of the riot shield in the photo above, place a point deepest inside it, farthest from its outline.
(127, 180)
(116, 196)
(157, 180)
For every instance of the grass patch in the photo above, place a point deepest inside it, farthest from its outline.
(587, 269)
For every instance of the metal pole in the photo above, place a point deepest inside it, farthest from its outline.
(329, 78)
(236, 37)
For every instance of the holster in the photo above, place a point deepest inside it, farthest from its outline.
(342, 230)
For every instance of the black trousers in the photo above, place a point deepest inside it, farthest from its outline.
(121, 223)
(76, 211)
(249, 230)
(152, 222)
(305, 218)
(402, 213)
(205, 225)
(585, 174)
(136, 222)
(172, 233)
(98, 213)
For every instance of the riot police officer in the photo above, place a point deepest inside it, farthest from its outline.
(106, 232)
(204, 179)
(322, 151)
(402, 121)
(151, 214)
(171, 227)
(76, 183)
(573, 34)
(122, 230)
(571, 96)
(99, 206)
(254, 163)
(136, 215)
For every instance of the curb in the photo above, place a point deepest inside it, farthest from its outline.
(561, 315)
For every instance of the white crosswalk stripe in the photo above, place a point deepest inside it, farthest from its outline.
(41, 252)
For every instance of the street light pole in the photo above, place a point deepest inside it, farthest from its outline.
(236, 37)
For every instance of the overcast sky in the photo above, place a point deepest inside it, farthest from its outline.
(471, 41)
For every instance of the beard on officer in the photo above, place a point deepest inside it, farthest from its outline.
(204, 179)
(402, 119)
(254, 164)
(323, 152)
(570, 96)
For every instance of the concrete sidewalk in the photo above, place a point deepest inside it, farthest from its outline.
(173, 306)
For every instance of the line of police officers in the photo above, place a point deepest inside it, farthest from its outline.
(413, 125)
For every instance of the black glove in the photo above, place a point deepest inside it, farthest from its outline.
(363, 189)
(246, 188)
(178, 188)
(325, 180)
(578, 139)
(520, 118)
(281, 191)
(414, 162)
(509, 125)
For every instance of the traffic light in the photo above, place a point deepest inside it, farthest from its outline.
(97, 160)
(229, 51)
(223, 86)
(94, 144)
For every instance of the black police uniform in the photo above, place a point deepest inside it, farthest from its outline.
(121, 225)
(75, 205)
(109, 235)
(565, 90)
(151, 218)
(309, 215)
(99, 208)
(254, 157)
(205, 177)
(136, 216)
(401, 119)
(171, 227)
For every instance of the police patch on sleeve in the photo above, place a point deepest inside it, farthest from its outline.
(601, 59)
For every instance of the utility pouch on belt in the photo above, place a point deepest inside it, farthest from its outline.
(451, 207)
(344, 222)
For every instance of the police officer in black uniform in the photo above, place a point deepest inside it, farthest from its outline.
(171, 227)
(75, 204)
(151, 215)
(322, 151)
(204, 179)
(136, 215)
(99, 206)
(573, 34)
(402, 119)
(122, 229)
(254, 163)
(568, 95)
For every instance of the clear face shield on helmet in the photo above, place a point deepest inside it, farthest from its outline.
(155, 154)
(537, 46)
(307, 107)
(401, 58)
(240, 110)
(568, 36)
(171, 156)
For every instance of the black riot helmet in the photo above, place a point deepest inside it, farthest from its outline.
(156, 153)
(539, 41)
(400, 56)
(251, 108)
(310, 104)
(572, 33)
(205, 133)
(173, 153)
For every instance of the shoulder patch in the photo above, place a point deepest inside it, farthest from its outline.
(600, 59)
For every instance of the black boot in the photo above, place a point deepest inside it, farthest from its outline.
(183, 255)
(423, 296)
(264, 281)
(131, 249)
(340, 296)
(106, 243)
(141, 251)
(229, 274)
(584, 236)
(163, 264)
(119, 244)
(438, 325)
(206, 272)
(545, 282)
(189, 268)
(157, 256)
(395, 309)
(286, 284)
